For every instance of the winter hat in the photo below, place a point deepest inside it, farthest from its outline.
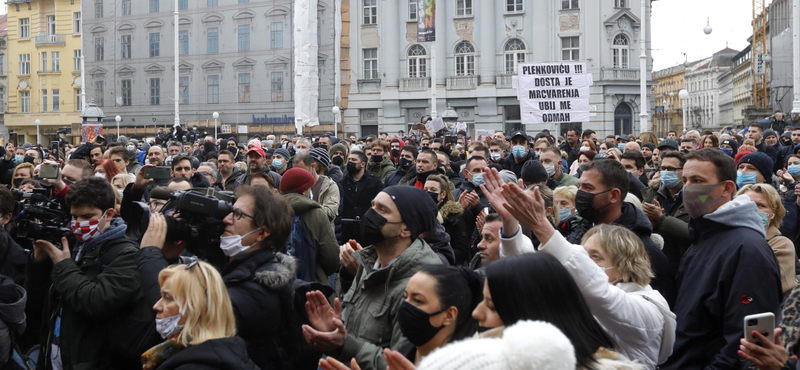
(254, 143)
(650, 146)
(321, 156)
(339, 147)
(732, 143)
(533, 172)
(548, 349)
(769, 133)
(27, 146)
(762, 162)
(297, 180)
(508, 177)
(416, 208)
(232, 139)
(134, 141)
(283, 153)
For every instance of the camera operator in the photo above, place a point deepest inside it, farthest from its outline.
(86, 287)
(12, 257)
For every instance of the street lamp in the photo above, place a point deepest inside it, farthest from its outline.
(335, 110)
(684, 95)
(216, 116)
(37, 122)
(118, 119)
(708, 28)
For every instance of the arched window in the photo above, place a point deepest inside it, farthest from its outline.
(417, 62)
(514, 54)
(621, 52)
(465, 59)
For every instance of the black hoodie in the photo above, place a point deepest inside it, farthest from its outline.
(215, 354)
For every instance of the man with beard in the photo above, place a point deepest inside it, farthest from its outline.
(256, 162)
(427, 164)
(228, 173)
(232, 146)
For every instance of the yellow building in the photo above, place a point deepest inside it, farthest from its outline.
(669, 83)
(44, 46)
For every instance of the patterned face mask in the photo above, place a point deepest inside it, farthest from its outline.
(86, 230)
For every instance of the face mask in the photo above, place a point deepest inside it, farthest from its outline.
(726, 151)
(168, 327)
(415, 324)
(337, 161)
(352, 169)
(518, 151)
(85, 231)
(670, 179)
(794, 170)
(494, 156)
(119, 191)
(18, 159)
(585, 148)
(604, 152)
(477, 180)
(299, 151)
(17, 182)
(395, 153)
(685, 151)
(277, 163)
(584, 203)
(28, 159)
(405, 163)
(376, 158)
(564, 213)
(621, 147)
(270, 143)
(550, 169)
(371, 226)
(434, 196)
(232, 245)
(131, 148)
(764, 218)
(745, 178)
(697, 199)
(100, 175)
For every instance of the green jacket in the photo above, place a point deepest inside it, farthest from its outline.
(567, 180)
(674, 227)
(371, 304)
(381, 170)
(322, 233)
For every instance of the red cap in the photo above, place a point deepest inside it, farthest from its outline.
(258, 150)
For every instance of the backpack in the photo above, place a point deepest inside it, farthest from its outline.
(19, 360)
(301, 247)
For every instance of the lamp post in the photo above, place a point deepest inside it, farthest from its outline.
(118, 119)
(669, 116)
(37, 122)
(216, 116)
(644, 124)
(796, 56)
(335, 110)
(684, 95)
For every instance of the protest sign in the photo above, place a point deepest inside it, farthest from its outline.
(554, 92)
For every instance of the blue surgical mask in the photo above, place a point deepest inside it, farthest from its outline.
(670, 179)
(131, 148)
(277, 163)
(477, 179)
(794, 170)
(764, 218)
(518, 151)
(604, 152)
(621, 147)
(564, 213)
(726, 151)
(745, 178)
(18, 159)
(299, 151)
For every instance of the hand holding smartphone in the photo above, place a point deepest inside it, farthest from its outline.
(764, 323)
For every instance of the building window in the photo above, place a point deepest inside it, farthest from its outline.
(620, 3)
(153, 6)
(465, 59)
(126, 7)
(24, 64)
(621, 52)
(25, 101)
(56, 100)
(98, 8)
(78, 107)
(569, 4)
(183, 4)
(212, 3)
(244, 37)
(417, 62)
(98, 93)
(43, 103)
(514, 6)
(76, 22)
(126, 46)
(244, 88)
(183, 36)
(463, 8)
(24, 28)
(276, 35)
(155, 44)
(570, 48)
(155, 91)
(183, 85)
(412, 10)
(371, 64)
(55, 61)
(76, 60)
(43, 64)
(514, 55)
(213, 40)
(126, 93)
(51, 25)
(213, 89)
(277, 86)
(370, 12)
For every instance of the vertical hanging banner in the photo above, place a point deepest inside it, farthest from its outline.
(555, 92)
(426, 20)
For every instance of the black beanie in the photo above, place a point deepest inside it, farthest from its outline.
(533, 172)
(416, 208)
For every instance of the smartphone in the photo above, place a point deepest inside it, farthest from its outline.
(49, 171)
(100, 140)
(764, 323)
(158, 173)
(54, 149)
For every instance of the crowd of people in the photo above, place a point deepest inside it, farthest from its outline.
(402, 251)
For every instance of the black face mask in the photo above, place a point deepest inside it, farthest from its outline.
(371, 225)
(337, 161)
(352, 169)
(28, 159)
(685, 151)
(434, 196)
(405, 163)
(376, 158)
(423, 176)
(395, 153)
(18, 182)
(584, 204)
(415, 324)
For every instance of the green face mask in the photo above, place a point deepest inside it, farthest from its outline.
(764, 218)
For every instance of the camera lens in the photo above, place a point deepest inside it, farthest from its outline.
(752, 322)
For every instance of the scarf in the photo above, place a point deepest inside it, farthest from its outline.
(154, 357)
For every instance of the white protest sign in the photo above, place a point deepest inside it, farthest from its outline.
(435, 125)
(461, 126)
(482, 134)
(554, 92)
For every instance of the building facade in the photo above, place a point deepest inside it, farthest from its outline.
(478, 47)
(725, 84)
(742, 85)
(236, 58)
(668, 83)
(702, 83)
(44, 70)
(3, 76)
(780, 32)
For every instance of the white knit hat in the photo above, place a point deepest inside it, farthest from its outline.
(527, 345)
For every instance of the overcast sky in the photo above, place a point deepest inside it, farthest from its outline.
(678, 28)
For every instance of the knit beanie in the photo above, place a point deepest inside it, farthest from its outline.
(339, 147)
(769, 133)
(254, 142)
(533, 172)
(283, 153)
(519, 349)
(731, 143)
(297, 180)
(762, 162)
(416, 208)
(508, 177)
(321, 155)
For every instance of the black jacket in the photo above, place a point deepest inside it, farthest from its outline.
(635, 220)
(510, 164)
(399, 174)
(215, 354)
(356, 200)
(230, 182)
(768, 150)
(12, 258)
(572, 153)
(454, 224)
(471, 214)
(454, 178)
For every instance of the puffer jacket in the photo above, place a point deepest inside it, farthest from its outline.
(322, 234)
(372, 302)
(451, 213)
(12, 315)
(382, 169)
(674, 227)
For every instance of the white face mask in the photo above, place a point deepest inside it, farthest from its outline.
(551, 169)
(232, 245)
(168, 327)
(100, 175)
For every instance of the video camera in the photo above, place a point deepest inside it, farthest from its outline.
(40, 217)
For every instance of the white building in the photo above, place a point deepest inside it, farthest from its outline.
(742, 85)
(725, 85)
(479, 44)
(702, 81)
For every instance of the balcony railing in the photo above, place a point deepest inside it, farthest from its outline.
(621, 74)
(371, 85)
(51, 39)
(504, 81)
(462, 82)
(415, 84)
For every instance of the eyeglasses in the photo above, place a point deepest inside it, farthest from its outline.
(673, 169)
(155, 204)
(185, 169)
(237, 214)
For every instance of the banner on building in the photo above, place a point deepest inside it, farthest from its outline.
(761, 64)
(426, 20)
(89, 131)
(551, 93)
(659, 111)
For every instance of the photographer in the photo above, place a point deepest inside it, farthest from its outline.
(12, 256)
(83, 288)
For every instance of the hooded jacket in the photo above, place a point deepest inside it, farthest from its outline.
(335, 173)
(321, 230)
(674, 227)
(382, 169)
(729, 272)
(372, 302)
(215, 354)
(12, 315)
(635, 220)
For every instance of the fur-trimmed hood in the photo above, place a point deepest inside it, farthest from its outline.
(451, 208)
(279, 273)
(654, 184)
(267, 268)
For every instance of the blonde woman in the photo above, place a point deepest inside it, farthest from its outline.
(21, 172)
(649, 137)
(772, 212)
(195, 317)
